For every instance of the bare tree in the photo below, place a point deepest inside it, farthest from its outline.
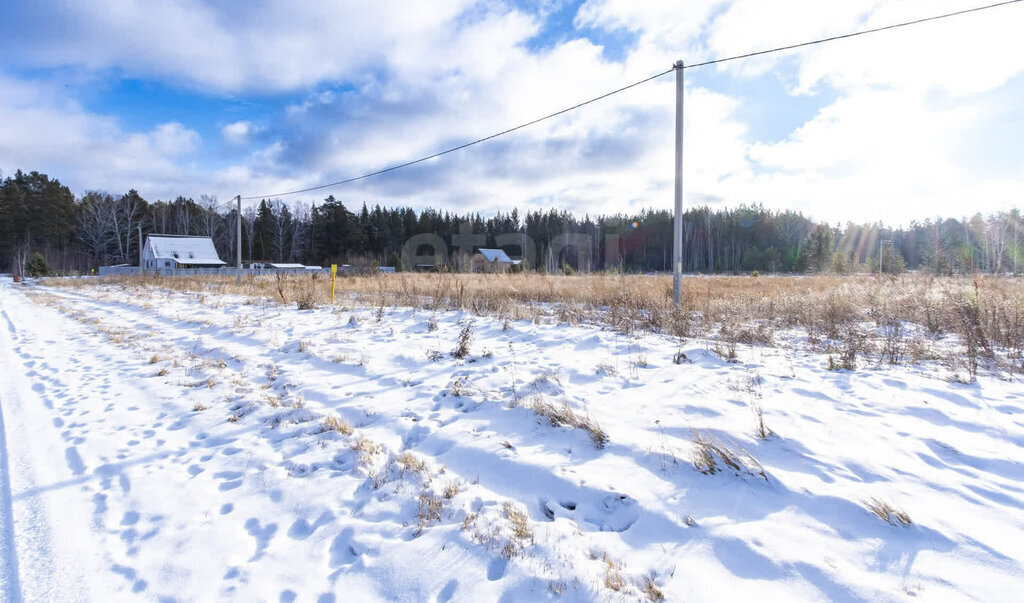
(280, 229)
(249, 225)
(94, 226)
(127, 214)
(300, 231)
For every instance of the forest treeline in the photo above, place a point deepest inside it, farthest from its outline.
(76, 234)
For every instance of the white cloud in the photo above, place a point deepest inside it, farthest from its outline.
(238, 132)
(228, 46)
(85, 150)
(907, 134)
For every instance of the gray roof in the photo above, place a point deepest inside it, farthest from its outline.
(496, 255)
(184, 250)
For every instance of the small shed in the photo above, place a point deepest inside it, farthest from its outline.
(492, 260)
(177, 252)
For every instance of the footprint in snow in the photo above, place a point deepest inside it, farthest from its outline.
(615, 512)
(415, 435)
(496, 570)
(262, 535)
(74, 461)
(302, 529)
(448, 591)
(345, 549)
(138, 585)
(232, 480)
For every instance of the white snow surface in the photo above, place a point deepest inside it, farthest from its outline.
(160, 445)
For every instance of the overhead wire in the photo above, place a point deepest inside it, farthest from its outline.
(468, 144)
(633, 85)
(851, 35)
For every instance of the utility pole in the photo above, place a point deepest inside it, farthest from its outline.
(677, 227)
(238, 247)
(142, 269)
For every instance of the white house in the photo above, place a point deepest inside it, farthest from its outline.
(176, 252)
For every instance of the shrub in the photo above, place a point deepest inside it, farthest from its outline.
(968, 311)
(37, 266)
(465, 339)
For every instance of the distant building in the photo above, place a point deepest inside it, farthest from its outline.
(278, 266)
(177, 252)
(492, 260)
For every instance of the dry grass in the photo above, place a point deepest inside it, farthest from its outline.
(409, 463)
(760, 429)
(333, 423)
(451, 490)
(519, 524)
(465, 340)
(731, 309)
(518, 521)
(367, 449)
(613, 579)
(430, 507)
(650, 588)
(709, 451)
(888, 513)
(562, 414)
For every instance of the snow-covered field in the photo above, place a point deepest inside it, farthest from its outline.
(178, 446)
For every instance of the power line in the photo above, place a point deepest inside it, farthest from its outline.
(633, 85)
(851, 35)
(468, 144)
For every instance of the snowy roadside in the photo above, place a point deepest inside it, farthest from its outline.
(187, 452)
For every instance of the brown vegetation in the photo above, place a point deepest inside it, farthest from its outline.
(888, 513)
(986, 314)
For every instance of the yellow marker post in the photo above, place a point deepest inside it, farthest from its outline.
(334, 272)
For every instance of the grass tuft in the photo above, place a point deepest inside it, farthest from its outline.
(887, 512)
(333, 423)
(709, 451)
(563, 415)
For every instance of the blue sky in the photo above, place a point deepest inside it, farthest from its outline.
(186, 97)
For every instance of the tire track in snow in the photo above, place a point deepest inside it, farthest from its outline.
(44, 572)
(10, 589)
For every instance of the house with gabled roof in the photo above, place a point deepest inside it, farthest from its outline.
(492, 260)
(179, 252)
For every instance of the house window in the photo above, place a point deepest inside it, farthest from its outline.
(167, 264)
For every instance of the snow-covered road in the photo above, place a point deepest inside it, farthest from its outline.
(176, 446)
